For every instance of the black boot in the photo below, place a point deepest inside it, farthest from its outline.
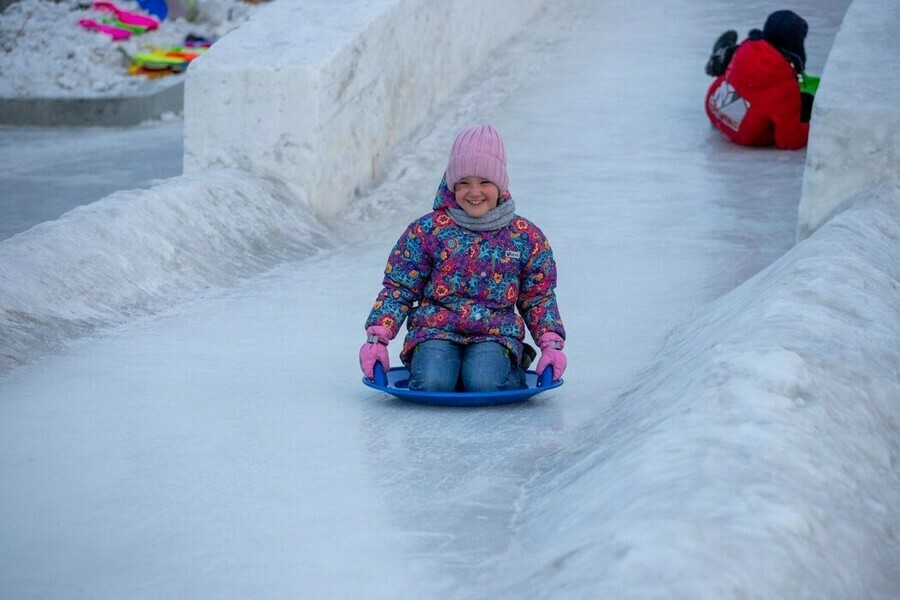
(722, 52)
(528, 356)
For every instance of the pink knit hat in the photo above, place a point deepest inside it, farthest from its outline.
(478, 151)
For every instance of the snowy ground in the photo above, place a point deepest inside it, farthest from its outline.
(712, 440)
(47, 54)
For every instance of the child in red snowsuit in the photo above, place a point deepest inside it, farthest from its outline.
(756, 99)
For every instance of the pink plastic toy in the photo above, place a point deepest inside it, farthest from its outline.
(114, 32)
(126, 17)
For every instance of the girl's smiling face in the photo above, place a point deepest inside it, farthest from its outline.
(476, 195)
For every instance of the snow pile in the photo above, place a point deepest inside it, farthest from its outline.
(142, 251)
(45, 53)
(758, 459)
(854, 144)
(340, 91)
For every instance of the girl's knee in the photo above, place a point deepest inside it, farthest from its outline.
(486, 368)
(485, 381)
(433, 380)
(435, 367)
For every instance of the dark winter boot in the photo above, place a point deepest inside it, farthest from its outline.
(528, 356)
(722, 52)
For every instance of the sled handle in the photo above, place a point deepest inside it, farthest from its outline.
(545, 378)
(379, 376)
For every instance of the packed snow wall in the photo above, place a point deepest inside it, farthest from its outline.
(306, 101)
(139, 252)
(854, 145)
(318, 94)
(758, 458)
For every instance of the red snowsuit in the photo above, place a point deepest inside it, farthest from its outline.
(757, 101)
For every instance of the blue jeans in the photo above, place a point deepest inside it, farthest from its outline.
(445, 366)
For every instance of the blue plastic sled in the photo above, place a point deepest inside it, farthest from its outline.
(396, 383)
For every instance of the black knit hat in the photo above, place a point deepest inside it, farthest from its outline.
(786, 30)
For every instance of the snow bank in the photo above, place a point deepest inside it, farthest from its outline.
(339, 86)
(319, 94)
(759, 457)
(141, 251)
(56, 73)
(855, 139)
(770, 426)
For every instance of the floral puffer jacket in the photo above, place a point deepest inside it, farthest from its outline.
(455, 284)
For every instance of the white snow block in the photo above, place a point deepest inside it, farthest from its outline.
(318, 94)
(854, 143)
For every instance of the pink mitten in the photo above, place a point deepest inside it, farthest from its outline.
(552, 355)
(375, 350)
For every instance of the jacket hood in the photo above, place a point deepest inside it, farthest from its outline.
(761, 64)
(444, 198)
(786, 30)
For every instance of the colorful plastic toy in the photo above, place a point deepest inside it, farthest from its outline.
(197, 41)
(116, 33)
(160, 58)
(157, 8)
(809, 84)
(134, 29)
(157, 61)
(125, 17)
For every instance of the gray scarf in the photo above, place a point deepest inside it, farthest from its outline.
(496, 218)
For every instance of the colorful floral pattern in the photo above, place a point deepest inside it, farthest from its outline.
(465, 286)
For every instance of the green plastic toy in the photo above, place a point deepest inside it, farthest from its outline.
(135, 29)
(809, 84)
